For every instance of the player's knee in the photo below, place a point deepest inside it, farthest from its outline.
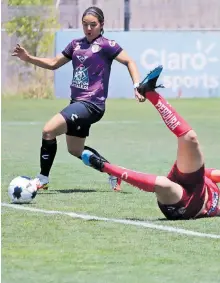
(191, 136)
(163, 182)
(48, 133)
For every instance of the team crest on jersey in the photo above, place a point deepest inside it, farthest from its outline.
(81, 77)
(112, 43)
(77, 47)
(81, 58)
(96, 48)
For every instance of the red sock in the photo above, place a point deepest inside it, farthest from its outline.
(140, 180)
(171, 118)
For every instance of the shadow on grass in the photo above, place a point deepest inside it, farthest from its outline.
(147, 219)
(160, 219)
(73, 191)
(70, 191)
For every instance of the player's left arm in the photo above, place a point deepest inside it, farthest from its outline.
(213, 174)
(124, 59)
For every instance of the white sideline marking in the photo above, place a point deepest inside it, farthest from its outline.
(114, 220)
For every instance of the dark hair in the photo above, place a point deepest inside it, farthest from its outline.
(97, 12)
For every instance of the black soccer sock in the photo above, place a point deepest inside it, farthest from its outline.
(96, 153)
(47, 155)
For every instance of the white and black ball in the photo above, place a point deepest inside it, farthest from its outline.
(22, 189)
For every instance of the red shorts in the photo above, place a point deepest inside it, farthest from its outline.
(193, 197)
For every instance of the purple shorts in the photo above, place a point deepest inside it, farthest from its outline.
(79, 116)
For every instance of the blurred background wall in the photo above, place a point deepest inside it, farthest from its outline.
(191, 15)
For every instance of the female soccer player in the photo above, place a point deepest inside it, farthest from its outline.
(91, 58)
(189, 190)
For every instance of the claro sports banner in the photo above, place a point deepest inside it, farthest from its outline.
(191, 61)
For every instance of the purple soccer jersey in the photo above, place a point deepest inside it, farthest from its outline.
(91, 68)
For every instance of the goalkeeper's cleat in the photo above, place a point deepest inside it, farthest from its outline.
(149, 83)
(42, 182)
(115, 183)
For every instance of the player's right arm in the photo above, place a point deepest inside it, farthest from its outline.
(213, 174)
(46, 63)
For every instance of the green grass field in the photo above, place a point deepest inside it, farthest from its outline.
(41, 247)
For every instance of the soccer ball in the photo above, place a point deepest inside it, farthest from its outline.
(22, 190)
